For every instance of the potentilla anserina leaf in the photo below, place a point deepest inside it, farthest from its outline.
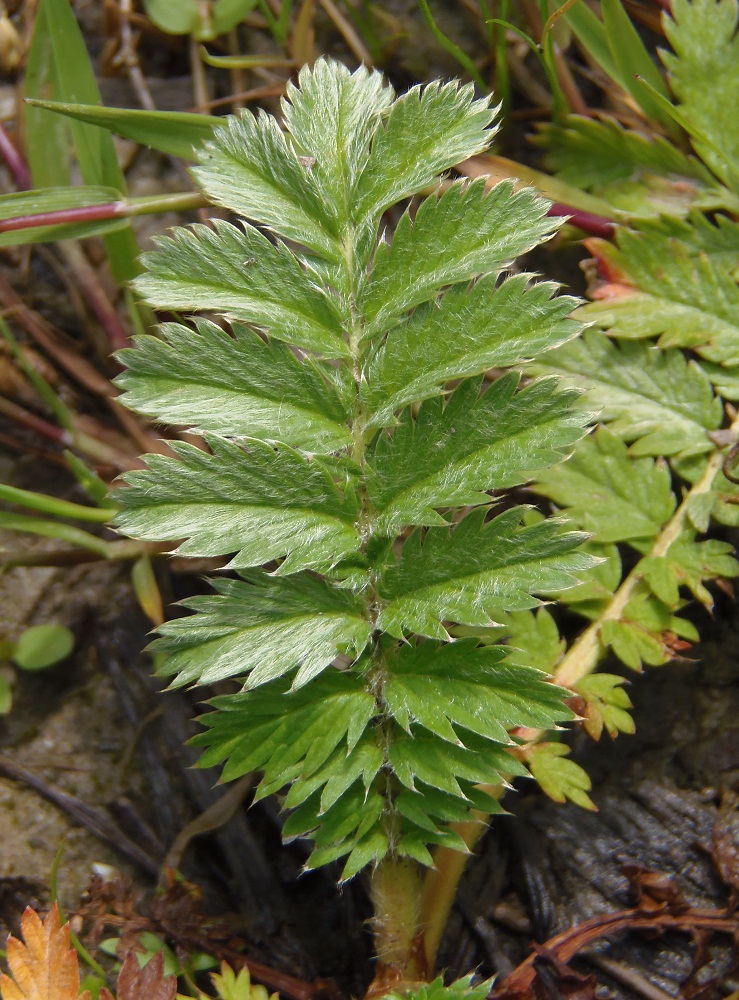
(43, 966)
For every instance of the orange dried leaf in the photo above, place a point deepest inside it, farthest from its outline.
(147, 983)
(45, 967)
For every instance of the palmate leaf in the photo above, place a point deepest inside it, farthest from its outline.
(465, 574)
(614, 497)
(704, 76)
(447, 455)
(468, 332)
(242, 275)
(261, 502)
(687, 298)
(447, 689)
(233, 385)
(658, 400)
(261, 628)
(464, 233)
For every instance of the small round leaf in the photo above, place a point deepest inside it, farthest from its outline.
(41, 646)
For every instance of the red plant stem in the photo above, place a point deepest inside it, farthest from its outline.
(15, 162)
(83, 213)
(567, 944)
(595, 225)
(27, 419)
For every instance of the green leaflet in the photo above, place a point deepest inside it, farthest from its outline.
(464, 233)
(449, 454)
(559, 778)
(614, 497)
(466, 574)
(642, 176)
(704, 76)
(262, 503)
(427, 131)
(233, 385)
(260, 630)
(251, 168)
(681, 295)
(244, 276)
(456, 687)
(331, 117)
(441, 764)
(274, 730)
(468, 332)
(656, 399)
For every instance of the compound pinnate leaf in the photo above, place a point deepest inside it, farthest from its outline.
(468, 332)
(461, 235)
(658, 400)
(331, 116)
(607, 493)
(45, 967)
(686, 298)
(448, 455)
(262, 627)
(464, 575)
(261, 502)
(233, 385)
(241, 274)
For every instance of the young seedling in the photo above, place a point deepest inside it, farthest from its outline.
(361, 432)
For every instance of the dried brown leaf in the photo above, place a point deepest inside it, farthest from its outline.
(147, 983)
(45, 967)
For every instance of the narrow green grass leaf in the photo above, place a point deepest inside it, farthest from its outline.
(178, 133)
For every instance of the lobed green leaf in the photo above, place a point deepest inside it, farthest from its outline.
(234, 385)
(260, 502)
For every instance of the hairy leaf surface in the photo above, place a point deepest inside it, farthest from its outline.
(656, 399)
(244, 276)
(233, 385)
(261, 503)
(448, 454)
(260, 628)
(464, 233)
(450, 688)
(427, 131)
(468, 332)
(464, 575)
